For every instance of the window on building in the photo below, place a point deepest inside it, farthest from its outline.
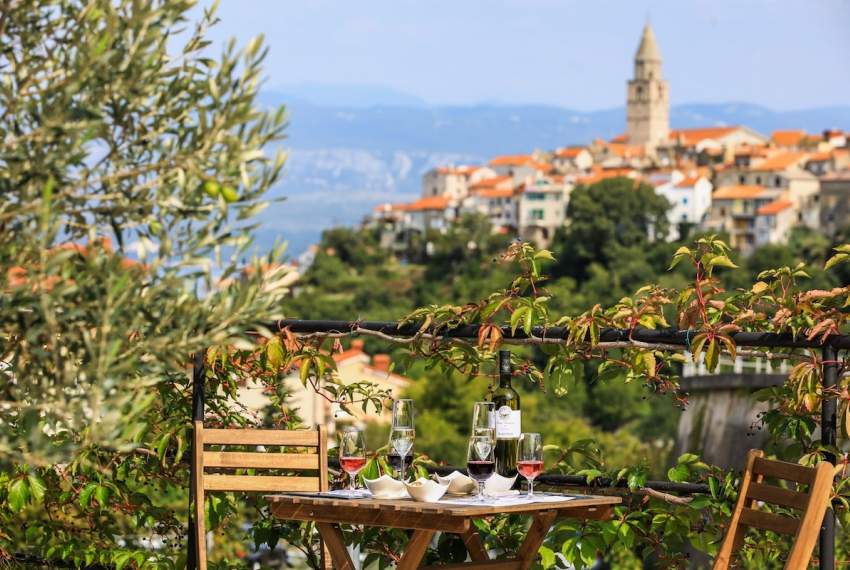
(777, 181)
(536, 214)
(742, 179)
(722, 212)
(758, 180)
(685, 201)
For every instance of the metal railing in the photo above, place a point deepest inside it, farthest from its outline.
(676, 337)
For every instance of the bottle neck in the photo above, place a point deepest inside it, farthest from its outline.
(504, 381)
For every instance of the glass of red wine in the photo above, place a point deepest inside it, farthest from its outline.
(530, 460)
(352, 455)
(480, 461)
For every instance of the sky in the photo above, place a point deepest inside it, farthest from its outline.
(784, 54)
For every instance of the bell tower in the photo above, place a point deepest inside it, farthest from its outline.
(648, 102)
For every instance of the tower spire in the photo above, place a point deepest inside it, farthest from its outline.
(648, 48)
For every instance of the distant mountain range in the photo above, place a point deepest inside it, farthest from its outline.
(345, 159)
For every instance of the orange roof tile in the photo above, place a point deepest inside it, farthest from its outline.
(820, 156)
(625, 150)
(687, 182)
(691, 137)
(622, 138)
(569, 152)
(599, 175)
(774, 207)
(490, 182)
(512, 160)
(430, 203)
(779, 161)
(788, 138)
(494, 192)
(738, 192)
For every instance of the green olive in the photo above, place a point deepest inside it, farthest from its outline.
(212, 188)
(229, 194)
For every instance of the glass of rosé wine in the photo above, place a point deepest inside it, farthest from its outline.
(530, 458)
(352, 455)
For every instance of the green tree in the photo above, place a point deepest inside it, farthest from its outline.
(131, 164)
(605, 218)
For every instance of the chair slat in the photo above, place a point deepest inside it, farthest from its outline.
(250, 460)
(260, 483)
(777, 496)
(769, 521)
(784, 470)
(303, 438)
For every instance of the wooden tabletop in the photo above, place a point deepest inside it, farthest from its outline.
(407, 513)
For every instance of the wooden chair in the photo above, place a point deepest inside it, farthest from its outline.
(204, 481)
(813, 504)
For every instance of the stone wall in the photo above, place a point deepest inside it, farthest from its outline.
(721, 421)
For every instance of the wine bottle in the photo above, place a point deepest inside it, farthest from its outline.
(508, 419)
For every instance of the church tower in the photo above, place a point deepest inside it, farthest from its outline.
(648, 102)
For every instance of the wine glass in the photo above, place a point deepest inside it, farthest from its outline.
(352, 455)
(403, 433)
(530, 461)
(480, 461)
(484, 419)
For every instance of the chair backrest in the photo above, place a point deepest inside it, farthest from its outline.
(230, 460)
(812, 503)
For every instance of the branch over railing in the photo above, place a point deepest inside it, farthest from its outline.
(669, 339)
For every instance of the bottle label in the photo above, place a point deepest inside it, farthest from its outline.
(508, 423)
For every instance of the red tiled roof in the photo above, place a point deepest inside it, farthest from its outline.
(494, 192)
(788, 138)
(512, 160)
(780, 161)
(774, 207)
(430, 203)
(490, 183)
(820, 156)
(621, 138)
(569, 152)
(687, 182)
(738, 192)
(691, 137)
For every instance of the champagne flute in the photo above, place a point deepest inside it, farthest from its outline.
(352, 455)
(403, 432)
(480, 460)
(484, 419)
(530, 460)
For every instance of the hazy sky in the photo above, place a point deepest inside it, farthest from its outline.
(785, 54)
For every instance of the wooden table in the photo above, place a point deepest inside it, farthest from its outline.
(425, 519)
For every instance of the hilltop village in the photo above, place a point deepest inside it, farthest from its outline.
(753, 187)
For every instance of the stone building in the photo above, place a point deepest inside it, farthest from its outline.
(648, 100)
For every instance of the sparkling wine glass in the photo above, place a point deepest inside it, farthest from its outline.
(530, 460)
(352, 455)
(484, 419)
(403, 431)
(480, 461)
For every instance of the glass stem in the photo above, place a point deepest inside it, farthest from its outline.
(351, 482)
(531, 487)
(480, 491)
(401, 473)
